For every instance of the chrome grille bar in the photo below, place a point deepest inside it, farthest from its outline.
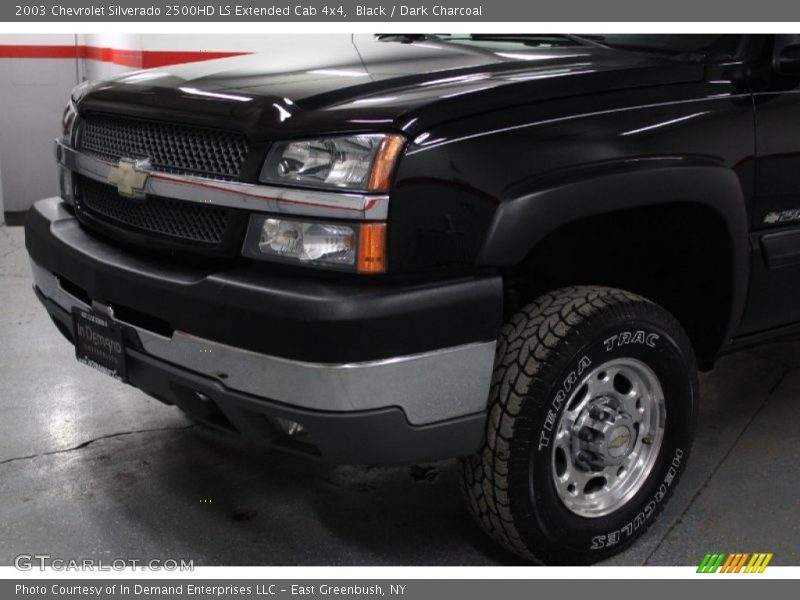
(232, 194)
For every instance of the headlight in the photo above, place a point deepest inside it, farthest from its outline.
(360, 163)
(356, 247)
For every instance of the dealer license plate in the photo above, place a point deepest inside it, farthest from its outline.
(99, 343)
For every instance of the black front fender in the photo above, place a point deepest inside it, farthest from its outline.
(526, 218)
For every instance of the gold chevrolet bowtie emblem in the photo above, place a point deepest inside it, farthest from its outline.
(129, 176)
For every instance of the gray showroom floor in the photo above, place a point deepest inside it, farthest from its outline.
(93, 468)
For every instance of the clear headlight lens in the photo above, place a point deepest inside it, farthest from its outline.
(352, 247)
(362, 163)
(321, 242)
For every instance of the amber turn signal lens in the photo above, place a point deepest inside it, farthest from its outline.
(372, 248)
(383, 165)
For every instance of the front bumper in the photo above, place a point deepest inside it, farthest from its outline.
(385, 405)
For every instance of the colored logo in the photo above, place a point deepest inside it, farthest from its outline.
(738, 562)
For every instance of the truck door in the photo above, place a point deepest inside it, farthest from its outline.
(774, 298)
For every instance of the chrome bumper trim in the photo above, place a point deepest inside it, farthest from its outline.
(429, 387)
(234, 194)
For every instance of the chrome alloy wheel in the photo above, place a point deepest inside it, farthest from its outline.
(608, 437)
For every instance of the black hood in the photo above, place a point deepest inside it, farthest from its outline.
(374, 85)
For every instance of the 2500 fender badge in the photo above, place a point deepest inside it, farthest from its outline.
(784, 216)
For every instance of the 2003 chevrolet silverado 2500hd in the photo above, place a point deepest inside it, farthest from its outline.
(513, 249)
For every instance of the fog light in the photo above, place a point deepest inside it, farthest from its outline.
(352, 247)
(308, 241)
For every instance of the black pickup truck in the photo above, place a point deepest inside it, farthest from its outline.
(513, 249)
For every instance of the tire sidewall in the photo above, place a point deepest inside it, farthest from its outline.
(649, 338)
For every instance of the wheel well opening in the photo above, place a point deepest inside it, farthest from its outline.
(677, 255)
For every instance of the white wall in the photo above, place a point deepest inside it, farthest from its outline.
(33, 93)
(2, 210)
(93, 69)
(272, 46)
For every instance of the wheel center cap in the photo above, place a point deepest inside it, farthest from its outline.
(619, 442)
(605, 435)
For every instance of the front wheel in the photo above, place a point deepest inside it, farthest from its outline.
(591, 417)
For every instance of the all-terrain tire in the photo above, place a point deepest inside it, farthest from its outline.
(542, 354)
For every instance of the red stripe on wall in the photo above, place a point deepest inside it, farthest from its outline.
(126, 58)
(38, 51)
(138, 59)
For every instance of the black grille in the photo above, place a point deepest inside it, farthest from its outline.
(170, 148)
(184, 222)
